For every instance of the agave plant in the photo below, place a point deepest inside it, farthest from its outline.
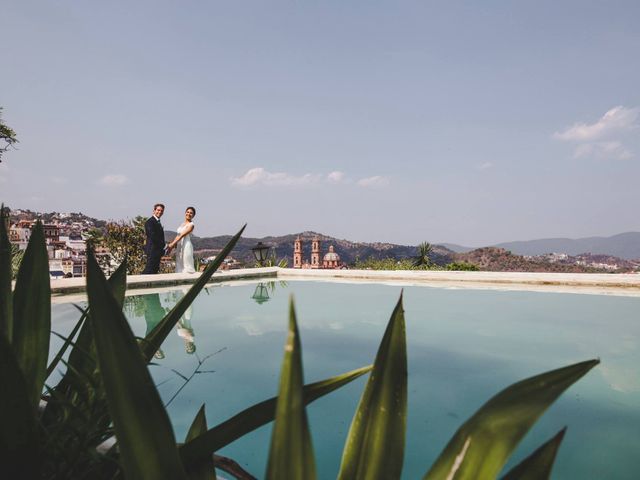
(59, 431)
(423, 258)
(374, 448)
(56, 431)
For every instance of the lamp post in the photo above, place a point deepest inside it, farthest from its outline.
(260, 253)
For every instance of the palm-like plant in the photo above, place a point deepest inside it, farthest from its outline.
(423, 259)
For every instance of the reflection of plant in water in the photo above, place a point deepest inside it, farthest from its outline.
(134, 306)
(196, 371)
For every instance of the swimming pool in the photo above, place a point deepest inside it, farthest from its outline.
(463, 347)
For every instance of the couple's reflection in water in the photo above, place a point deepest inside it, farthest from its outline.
(154, 307)
(157, 305)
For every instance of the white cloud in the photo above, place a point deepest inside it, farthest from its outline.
(603, 150)
(373, 182)
(615, 121)
(601, 139)
(336, 177)
(260, 176)
(59, 180)
(114, 180)
(485, 166)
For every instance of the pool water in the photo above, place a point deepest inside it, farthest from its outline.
(463, 347)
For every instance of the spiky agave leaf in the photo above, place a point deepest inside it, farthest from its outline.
(482, 445)
(256, 416)
(145, 436)
(6, 268)
(375, 443)
(538, 465)
(291, 452)
(32, 314)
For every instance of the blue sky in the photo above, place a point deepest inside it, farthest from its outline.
(464, 122)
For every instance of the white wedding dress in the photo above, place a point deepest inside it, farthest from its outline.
(184, 252)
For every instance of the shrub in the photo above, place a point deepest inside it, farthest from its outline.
(463, 266)
(384, 264)
(125, 239)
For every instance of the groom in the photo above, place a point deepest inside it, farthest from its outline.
(155, 246)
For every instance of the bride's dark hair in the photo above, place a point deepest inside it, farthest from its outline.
(191, 208)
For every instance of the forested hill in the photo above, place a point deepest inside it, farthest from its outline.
(349, 251)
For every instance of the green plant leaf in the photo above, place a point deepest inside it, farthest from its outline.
(538, 465)
(118, 282)
(19, 453)
(145, 436)
(82, 357)
(205, 470)
(68, 341)
(6, 298)
(256, 416)
(198, 426)
(32, 314)
(291, 453)
(375, 443)
(482, 445)
(152, 343)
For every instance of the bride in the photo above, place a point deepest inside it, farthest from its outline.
(182, 244)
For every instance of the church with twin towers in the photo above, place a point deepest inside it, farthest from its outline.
(331, 259)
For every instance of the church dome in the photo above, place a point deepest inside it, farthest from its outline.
(331, 256)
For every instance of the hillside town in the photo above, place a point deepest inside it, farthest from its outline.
(65, 236)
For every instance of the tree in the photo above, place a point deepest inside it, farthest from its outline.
(16, 260)
(94, 237)
(7, 136)
(126, 239)
(423, 259)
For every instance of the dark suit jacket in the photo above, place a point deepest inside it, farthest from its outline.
(155, 237)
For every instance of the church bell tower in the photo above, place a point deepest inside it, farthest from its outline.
(315, 252)
(297, 253)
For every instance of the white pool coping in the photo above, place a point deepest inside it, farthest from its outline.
(601, 284)
(65, 286)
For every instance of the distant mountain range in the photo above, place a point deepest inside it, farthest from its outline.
(624, 245)
(487, 258)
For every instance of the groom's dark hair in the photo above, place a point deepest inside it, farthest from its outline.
(158, 205)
